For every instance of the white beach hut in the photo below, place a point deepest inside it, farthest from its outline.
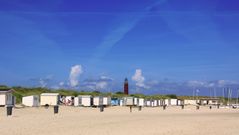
(107, 101)
(31, 101)
(128, 101)
(204, 102)
(148, 103)
(159, 102)
(85, 100)
(6, 97)
(180, 102)
(100, 100)
(76, 101)
(140, 102)
(167, 102)
(209, 101)
(190, 102)
(97, 101)
(121, 102)
(214, 101)
(174, 102)
(136, 101)
(155, 103)
(162, 102)
(50, 99)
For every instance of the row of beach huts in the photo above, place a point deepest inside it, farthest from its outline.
(52, 99)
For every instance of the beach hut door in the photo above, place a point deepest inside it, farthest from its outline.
(10, 99)
(80, 100)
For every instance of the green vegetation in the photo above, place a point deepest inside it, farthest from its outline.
(3, 87)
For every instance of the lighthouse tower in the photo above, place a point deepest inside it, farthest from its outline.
(126, 86)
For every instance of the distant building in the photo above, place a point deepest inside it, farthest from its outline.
(126, 86)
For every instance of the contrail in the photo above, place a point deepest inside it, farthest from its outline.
(119, 32)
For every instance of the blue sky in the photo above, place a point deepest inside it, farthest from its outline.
(175, 46)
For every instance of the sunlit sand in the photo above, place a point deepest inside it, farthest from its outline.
(119, 121)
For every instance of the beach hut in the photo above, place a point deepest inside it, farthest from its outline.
(155, 103)
(190, 102)
(121, 102)
(167, 102)
(97, 101)
(107, 101)
(6, 97)
(160, 102)
(31, 101)
(114, 101)
(128, 101)
(148, 103)
(180, 102)
(50, 99)
(140, 102)
(214, 101)
(135, 101)
(209, 101)
(174, 102)
(76, 101)
(204, 102)
(85, 100)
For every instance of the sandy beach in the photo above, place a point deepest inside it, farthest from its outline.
(119, 121)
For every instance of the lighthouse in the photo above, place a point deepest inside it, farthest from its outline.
(126, 86)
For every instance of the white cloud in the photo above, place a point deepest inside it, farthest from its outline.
(139, 79)
(76, 71)
(43, 82)
(195, 83)
(126, 24)
(223, 83)
(62, 84)
(49, 77)
(101, 85)
(106, 78)
(153, 82)
(211, 84)
(55, 87)
(90, 87)
(206, 84)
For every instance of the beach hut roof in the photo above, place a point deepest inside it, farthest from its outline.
(129, 97)
(49, 94)
(209, 98)
(31, 96)
(85, 96)
(6, 90)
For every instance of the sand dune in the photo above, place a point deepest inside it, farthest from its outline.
(119, 121)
